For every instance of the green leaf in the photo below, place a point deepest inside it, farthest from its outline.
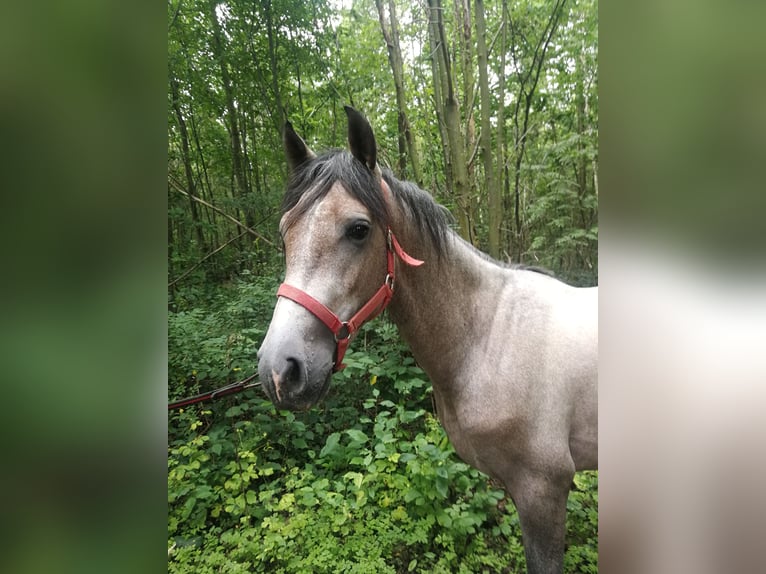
(331, 445)
(443, 519)
(299, 443)
(357, 435)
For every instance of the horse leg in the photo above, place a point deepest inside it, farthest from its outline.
(541, 501)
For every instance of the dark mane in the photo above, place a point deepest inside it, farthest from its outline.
(432, 220)
(317, 176)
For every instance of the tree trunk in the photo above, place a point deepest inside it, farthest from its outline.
(187, 162)
(451, 111)
(273, 64)
(206, 190)
(391, 37)
(582, 160)
(439, 88)
(465, 41)
(252, 204)
(493, 193)
(496, 204)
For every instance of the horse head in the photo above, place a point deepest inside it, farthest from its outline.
(334, 228)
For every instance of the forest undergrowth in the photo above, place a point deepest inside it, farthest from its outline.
(365, 482)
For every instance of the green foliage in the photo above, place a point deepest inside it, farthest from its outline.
(217, 342)
(366, 482)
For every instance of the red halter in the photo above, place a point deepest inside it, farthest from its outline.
(344, 330)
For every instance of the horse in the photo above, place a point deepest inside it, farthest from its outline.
(511, 352)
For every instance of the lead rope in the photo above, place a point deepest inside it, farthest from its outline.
(229, 389)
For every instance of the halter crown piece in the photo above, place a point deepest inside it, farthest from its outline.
(344, 330)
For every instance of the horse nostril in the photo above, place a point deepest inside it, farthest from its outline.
(287, 378)
(292, 371)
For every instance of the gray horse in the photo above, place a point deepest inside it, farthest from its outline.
(511, 352)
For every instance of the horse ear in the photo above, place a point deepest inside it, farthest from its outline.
(295, 148)
(361, 140)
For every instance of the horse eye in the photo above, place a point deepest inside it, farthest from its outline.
(358, 231)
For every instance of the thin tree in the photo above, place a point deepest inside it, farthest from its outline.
(450, 109)
(186, 157)
(493, 193)
(391, 37)
(496, 203)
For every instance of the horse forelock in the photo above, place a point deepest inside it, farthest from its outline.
(311, 181)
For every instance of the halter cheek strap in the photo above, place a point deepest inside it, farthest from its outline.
(343, 331)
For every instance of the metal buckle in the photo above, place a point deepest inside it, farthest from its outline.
(343, 333)
(389, 281)
(389, 240)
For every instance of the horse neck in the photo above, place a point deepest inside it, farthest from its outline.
(440, 307)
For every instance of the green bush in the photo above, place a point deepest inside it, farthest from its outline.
(365, 482)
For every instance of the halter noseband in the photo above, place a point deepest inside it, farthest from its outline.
(344, 330)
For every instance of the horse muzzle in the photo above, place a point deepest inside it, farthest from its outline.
(292, 378)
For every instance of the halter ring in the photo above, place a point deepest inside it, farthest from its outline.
(343, 333)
